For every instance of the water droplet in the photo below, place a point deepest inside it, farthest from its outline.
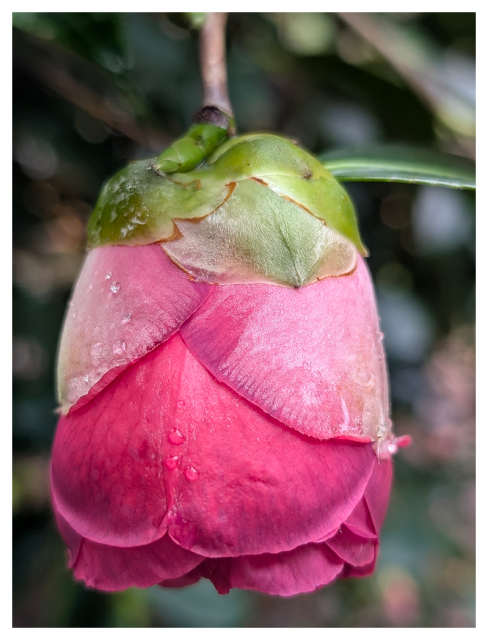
(181, 403)
(73, 315)
(175, 437)
(114, 287)
(380, 335)
(380, 357)
(392, 447)
(191, 474)
(127, 318)
(171, 462)
(85, 378)
(118, 348)
(96, 353)
(108, 276)
(90, 287)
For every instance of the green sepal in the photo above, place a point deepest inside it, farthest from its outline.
(188, 152)
(258, 236)
(289, 171)
(138, 205)
(263, 210)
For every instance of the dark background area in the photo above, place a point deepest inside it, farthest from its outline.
(92, 92)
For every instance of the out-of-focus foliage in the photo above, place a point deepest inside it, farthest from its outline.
(95, 91)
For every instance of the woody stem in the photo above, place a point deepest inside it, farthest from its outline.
(213, 63)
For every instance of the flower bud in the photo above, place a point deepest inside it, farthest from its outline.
(220, 419)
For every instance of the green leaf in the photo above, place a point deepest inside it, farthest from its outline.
(400, 164)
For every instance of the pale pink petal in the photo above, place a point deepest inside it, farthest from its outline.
(300, 570)
(165, 435)
(127, 301)
(311, 357)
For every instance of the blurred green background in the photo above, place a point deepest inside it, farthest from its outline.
(93, 91)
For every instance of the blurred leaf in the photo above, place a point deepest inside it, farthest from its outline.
(400, 164)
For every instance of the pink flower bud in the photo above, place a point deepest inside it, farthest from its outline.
(236, 432)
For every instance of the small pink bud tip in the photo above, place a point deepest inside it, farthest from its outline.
(404, 441)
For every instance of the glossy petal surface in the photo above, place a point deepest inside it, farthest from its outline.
(127, 300)
(188, 455)
(311, 357)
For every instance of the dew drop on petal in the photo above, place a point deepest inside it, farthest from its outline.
(380, 335)
(392, 447)
(85, 378)
(96, 353)
(171, 462)
(114, 287)
(191, 474)
(118, 348)
(181, 403)
(108, 276)
(127, 318)
(90, 287)
(175, 437)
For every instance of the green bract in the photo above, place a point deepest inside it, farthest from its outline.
(260, 209)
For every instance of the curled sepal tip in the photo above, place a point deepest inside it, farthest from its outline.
(210, 130)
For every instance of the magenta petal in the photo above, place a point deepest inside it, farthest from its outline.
(311, 357)
(352, 548)
(377, 492)
(300, 570)
(116, 568)
(350, 571)
(184, 581)
(235, 481)
(108, 469)
(360, 522)
(127, 301)
(69, 535)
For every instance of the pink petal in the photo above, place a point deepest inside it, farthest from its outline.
(377, 492)
(359, 572)
(300, 570)
(115, 568)
(360, 522)
(235, 481)
(127, 301)
(311, 357)
(352, 548)
(184, 581)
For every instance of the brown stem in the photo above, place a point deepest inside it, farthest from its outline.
(213, 63)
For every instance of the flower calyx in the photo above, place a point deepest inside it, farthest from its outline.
(258, 209)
